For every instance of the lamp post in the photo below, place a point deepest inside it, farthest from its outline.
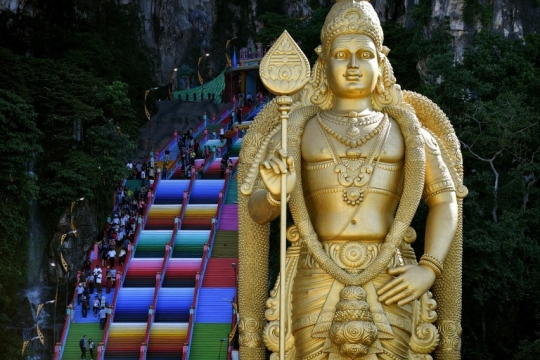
(229, 62)
(169, 84)
(148, 116)
(220, 345)
(233, 265)
(201, 80)
(25, 344)
(39, 333)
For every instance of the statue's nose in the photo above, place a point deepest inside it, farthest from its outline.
(354, 62)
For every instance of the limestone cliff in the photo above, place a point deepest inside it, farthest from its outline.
(510, 18)
(180, 31)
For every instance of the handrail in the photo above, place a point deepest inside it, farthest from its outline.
(174, 166)
(226, 113)
(152, 309)
(111, 310)
(160, 276)
(229, 175)
(255, 107)
(60, 345)
(198, 129)
(202, 270)
(209, 160)
(204, 139)
(222, 116)
(234, 324)
(161, 152)
(185, 354)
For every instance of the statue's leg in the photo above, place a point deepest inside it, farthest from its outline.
(310, 323)
(315, 296)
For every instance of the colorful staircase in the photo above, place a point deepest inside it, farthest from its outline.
(179, 285)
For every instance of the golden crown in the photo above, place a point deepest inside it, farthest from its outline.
(351, 17)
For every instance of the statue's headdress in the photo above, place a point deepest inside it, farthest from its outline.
(352, 17)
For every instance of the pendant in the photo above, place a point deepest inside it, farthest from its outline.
(353, 195)
(353, 133)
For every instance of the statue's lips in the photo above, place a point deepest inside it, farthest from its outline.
(352, 76)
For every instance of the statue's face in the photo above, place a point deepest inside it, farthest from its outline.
(351, 66)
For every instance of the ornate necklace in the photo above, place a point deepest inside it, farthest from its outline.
(347, 142)
(353, 172)
(353, 132)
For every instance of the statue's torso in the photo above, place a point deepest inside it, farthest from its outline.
(332, 217)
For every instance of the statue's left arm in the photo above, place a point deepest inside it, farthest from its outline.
(412, 281)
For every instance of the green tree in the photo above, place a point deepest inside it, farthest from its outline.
(491, 99)
(305, 31)
(18, 149)
(67, 63)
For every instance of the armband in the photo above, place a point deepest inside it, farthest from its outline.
(273, 201)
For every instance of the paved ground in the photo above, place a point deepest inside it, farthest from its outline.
(171, 115)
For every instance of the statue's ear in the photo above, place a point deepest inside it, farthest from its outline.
(319, 52)
(382, 56)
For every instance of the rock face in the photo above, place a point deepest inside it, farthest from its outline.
(10, 4)
(180, 31)
(164, 20)
(76, 234)
(174, 29)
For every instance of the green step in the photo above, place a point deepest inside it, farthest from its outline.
(75, 334)
(206, 341)
(225, 244)
(232, 192)
(235, 149)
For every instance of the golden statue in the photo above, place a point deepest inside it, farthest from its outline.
(360, 155)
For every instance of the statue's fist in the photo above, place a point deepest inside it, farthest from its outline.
(272, 169)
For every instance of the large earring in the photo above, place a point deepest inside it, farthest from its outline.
(380, 85)
(320, 94)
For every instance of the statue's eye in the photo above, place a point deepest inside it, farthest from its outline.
(366, 55)
(340, 55)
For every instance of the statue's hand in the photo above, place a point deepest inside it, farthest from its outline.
(410, 282)
(272, 169)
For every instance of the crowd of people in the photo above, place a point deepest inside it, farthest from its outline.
(188, 151)
(128, 210)
(147, 172)
(119, 233)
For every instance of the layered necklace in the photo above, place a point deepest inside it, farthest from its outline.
(354, 121)
(353, 136)
(354, 172)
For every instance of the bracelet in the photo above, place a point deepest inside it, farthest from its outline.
(432, 259)
(273, 201)
(432, 262)
(431, 266)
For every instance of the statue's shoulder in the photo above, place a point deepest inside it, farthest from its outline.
(438, 131)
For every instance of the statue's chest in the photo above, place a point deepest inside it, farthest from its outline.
(320, 145)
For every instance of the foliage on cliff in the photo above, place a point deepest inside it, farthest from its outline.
(18, 144)
(71, 64)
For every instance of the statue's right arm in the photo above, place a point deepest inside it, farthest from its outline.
(264, 204)
(260, 209)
